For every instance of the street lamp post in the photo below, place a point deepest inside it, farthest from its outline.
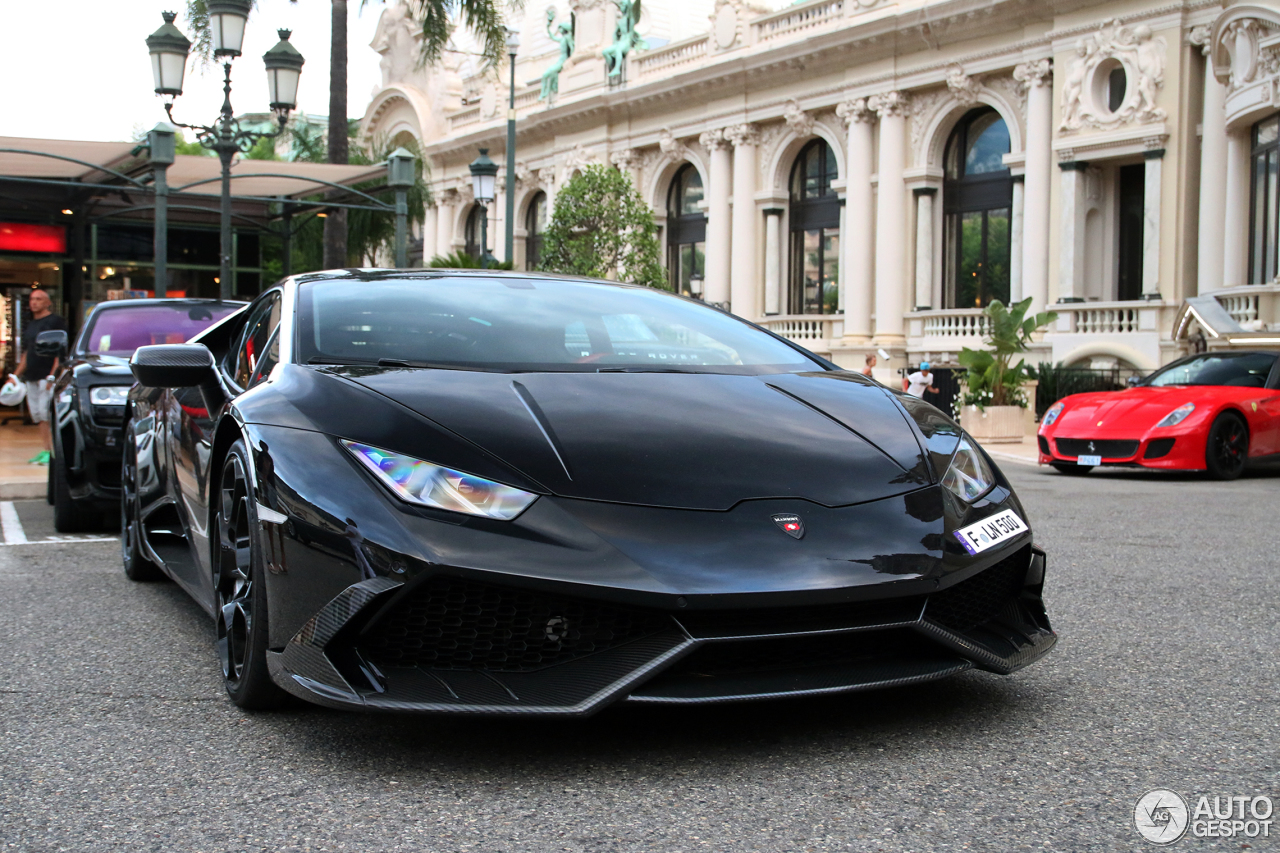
(169, 49)
(513, 43)
(484, 174)
(162, 144)
(400, 178)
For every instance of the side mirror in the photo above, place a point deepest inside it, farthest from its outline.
(51, 344)
(1132, 380)
(171, 365)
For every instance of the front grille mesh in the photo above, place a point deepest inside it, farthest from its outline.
(1107, 448)
(455, 624)
(973, 601)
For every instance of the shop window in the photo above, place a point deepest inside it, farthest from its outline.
(686, 231)
(1264, 219)
(977, 199)
(815, 232)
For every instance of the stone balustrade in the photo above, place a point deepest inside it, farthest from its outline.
(968, 325)
(794, 19)
(814, 331)
(672, 57)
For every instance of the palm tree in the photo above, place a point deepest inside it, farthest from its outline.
(437, 19)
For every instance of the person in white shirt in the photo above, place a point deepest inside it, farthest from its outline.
(919, 382)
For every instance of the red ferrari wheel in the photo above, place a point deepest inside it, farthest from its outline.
(1227, 449)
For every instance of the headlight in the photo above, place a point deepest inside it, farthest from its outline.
(969, 477)
(1052, 414)
(1177, 416)
(428, 484)
(109, 395)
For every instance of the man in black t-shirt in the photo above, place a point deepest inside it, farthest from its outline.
(34, 369)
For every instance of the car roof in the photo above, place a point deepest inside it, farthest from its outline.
(386, 274)
(113, 304)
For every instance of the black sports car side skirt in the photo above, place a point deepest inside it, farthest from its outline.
(444, 643)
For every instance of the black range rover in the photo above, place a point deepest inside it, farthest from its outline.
(89, 399)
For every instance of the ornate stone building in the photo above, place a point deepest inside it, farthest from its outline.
(867, 174)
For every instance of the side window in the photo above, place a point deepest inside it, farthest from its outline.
(268, 360)
(253, 341)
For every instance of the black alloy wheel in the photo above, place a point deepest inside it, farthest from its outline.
(136, 565)
(1070, 468)
(1227, 449)
(239, 588)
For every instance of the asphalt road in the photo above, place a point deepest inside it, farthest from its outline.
(117, 734)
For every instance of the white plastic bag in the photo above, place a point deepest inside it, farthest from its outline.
(13, 392)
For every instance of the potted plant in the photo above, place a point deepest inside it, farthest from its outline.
(994, 397)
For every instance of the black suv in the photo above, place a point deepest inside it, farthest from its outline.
(89, 398)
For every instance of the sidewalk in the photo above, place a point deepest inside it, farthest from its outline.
(1026, 453)
(18, 477)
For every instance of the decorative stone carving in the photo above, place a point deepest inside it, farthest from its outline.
(713, 140)
(397, 40)
(625, 38)
(1202, 37)
(1011, 91)
(770, 137)
(670, 146)
(563, 35)
(579, 158)
(1084, 93)
(797, 119)
(890, 104)
(854, 111)
(1032, 74)
(742, 134)
(625, 159)
(922, 110)
(963, 88)
(726, 24)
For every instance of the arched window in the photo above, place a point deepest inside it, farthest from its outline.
(815, 232)
(977, 197)
(1264, 219)
(686, 230)
(472, 231)
(535, 225)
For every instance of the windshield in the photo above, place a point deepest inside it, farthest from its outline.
(1244, 369)
(120, 331)
(512, 324)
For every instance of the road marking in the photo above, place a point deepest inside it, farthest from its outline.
(11, 525)
(67, 541)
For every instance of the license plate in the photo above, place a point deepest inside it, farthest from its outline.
(991, 531)
(1088, 460)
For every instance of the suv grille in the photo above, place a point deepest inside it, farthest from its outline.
(1107, 448)
(451, 623)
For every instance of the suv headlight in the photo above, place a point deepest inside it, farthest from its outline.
(1177, 416)
(968, 477)
(1052, 413)
(109, 395)
(427, 484)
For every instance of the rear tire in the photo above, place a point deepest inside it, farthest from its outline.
(1068, 468)
(136, 565)
(1227, 449)
(239, 584)
(68, 515)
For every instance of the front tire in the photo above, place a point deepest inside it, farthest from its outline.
(1227, 448)
(239, 585)
(1068, 468)
(68, 515)
(136, 566)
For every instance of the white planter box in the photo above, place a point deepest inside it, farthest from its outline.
(995, 425)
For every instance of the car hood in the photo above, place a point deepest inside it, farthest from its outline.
(98, 367)
(692, 441)
(1138, 408)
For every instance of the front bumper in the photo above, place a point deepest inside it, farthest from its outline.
(463, 642)
(1166, 449)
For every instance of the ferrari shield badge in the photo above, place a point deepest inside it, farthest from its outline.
(792, 525)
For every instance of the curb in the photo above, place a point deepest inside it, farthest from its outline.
(1011, 457)
(22, 491)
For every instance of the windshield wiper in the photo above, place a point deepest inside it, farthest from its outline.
(319, 359)
(645, 370)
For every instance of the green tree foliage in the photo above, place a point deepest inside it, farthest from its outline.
(182, 146)
(990, 380)
(460, 260)
(601, 227)
(263, 149)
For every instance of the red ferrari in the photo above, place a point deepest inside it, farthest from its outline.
(1213, 412)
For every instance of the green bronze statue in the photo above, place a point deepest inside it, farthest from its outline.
(625, 37)
(563, 36)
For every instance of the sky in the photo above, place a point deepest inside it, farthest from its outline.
(79, 69)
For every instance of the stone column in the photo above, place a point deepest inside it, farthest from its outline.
(1213, 174)
(1038, 78)
(715, 288)
(1151, 225)
(744, 275)
(444, 222)
(891, 248)
(1017, 221)
(1235, 257)
(773, 260)
(924, 247)
(498, 225)
(1071, 250)
(857, 240)
(429, 234)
